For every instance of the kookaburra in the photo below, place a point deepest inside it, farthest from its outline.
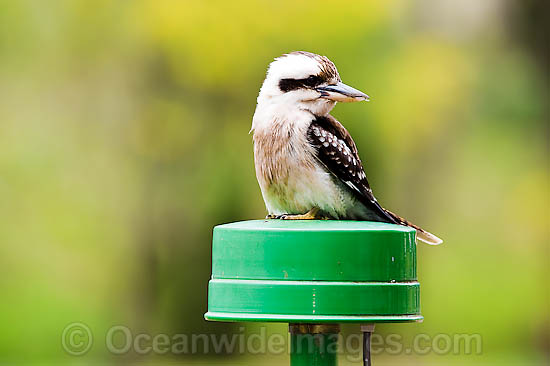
(306, 162)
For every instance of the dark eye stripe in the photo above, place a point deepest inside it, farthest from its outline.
(287, 85)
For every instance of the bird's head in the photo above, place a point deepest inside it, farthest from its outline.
(307, 81)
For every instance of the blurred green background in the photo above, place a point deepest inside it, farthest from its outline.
(124, 140)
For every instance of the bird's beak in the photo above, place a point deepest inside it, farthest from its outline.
(342, 93)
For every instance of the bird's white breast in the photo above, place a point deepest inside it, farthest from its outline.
(291, 178)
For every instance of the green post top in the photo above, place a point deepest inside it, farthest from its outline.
(313, 272)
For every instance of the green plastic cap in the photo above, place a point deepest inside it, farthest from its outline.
(313, 271)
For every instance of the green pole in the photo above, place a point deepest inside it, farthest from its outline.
(313, 344)
(314, 275)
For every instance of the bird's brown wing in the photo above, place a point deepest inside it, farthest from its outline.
(337, 151)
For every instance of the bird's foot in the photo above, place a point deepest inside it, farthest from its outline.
(312, 214)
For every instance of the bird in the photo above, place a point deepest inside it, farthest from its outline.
(306, 162)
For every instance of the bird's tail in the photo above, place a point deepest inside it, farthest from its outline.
(421, 234)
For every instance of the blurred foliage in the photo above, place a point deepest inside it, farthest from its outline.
(124, 140)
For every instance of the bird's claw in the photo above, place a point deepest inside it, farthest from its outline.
(277, 217)
(312, 214)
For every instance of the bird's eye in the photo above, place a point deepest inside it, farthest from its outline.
(312, 80)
